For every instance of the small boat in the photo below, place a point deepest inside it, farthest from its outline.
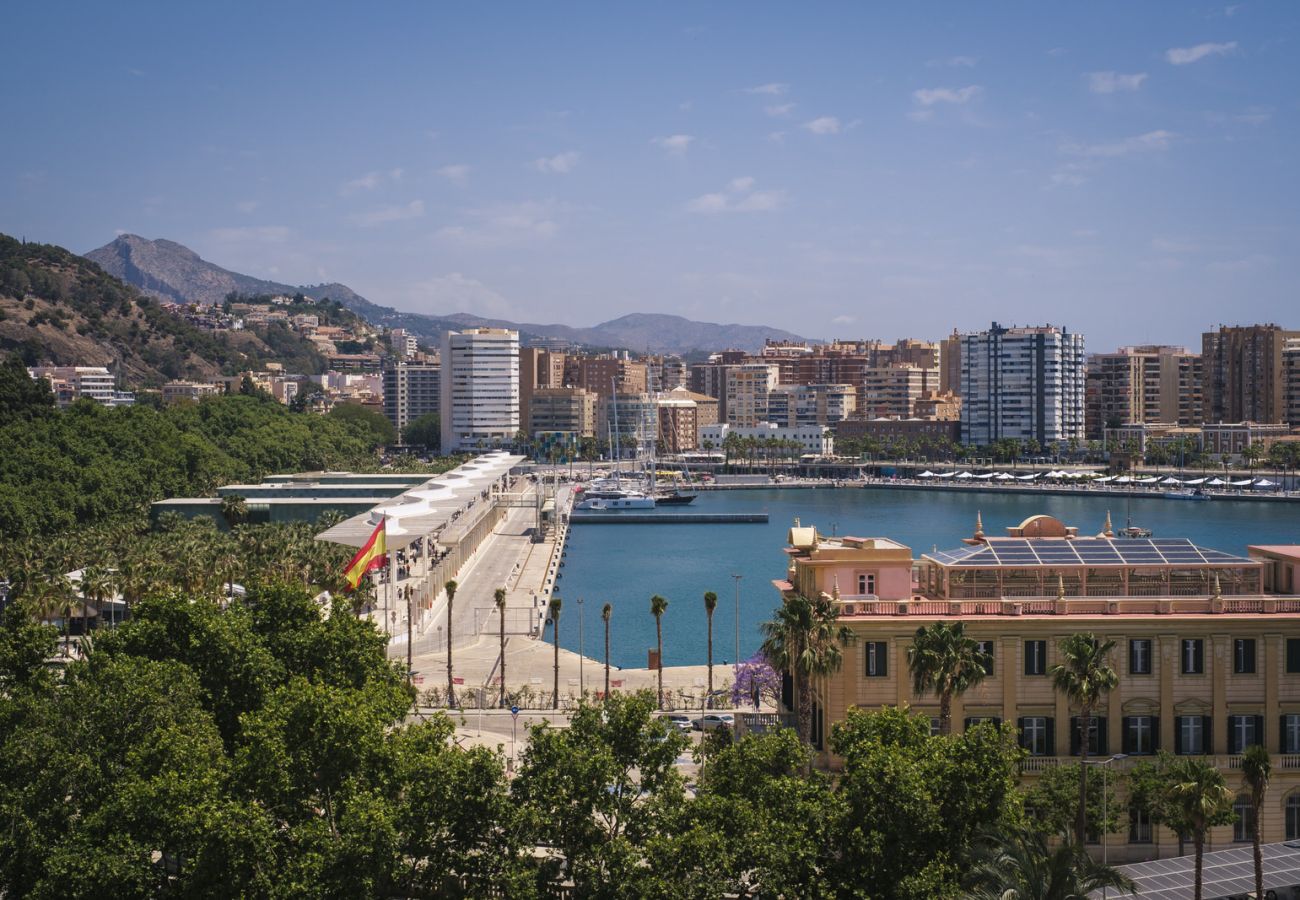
(675, 498)
(614, 499)
(1197, 494)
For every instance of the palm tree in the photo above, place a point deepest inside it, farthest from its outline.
(1201, 798)
(1021, 866)
(500, 596)
(97, 584)
(1084, 676)
(59, 596)
(710, 604)
(1256, 770)
(555, 606)
(943, 660)
(806, 640)
(658, 605)
(605, 612)
(450, 587)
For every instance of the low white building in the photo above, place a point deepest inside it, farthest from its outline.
(815, 439)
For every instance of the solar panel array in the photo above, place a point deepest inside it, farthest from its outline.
(1226, 873)
(1085, 552)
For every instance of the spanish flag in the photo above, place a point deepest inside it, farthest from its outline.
(370, 556)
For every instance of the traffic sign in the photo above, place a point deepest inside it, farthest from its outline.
(514, 711)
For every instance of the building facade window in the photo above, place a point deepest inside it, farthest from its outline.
(877, 659)
(867, 583)
(1243, 656)
(1293, 656)
(1244, 827)
(1293, 817)
(1097, 740)
(1193, 656)
(1139, 826)
(1141, 735)
(1035, 657)
(1192, 734)
(1139, 656)
(986, 647)
(1291, 733)
(1244, 731)
(1036, 735)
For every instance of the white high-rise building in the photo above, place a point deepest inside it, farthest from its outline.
(1022, 384)
(480, 388)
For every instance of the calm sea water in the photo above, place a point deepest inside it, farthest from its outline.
(625, 564)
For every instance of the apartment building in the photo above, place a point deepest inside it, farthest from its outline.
(1242, 373)
(1023, 384)
(794, 405)
(72, 383)
(1291, 381)
(539, 368)
(411, 390)
(1207, 647)
(895, 389)
(561, 409)
(608, 375)
(479, 388)
(193, 391)
(681, 415)
(1142, 384)
(748, 387)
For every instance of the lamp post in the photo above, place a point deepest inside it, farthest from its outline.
(1105, 808)
(582, 656)
(737, 577)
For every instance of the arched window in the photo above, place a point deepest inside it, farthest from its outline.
(1245, 825)
(1293, 817)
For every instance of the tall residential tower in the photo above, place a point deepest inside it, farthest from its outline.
(480, 388)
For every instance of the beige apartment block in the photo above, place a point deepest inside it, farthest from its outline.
(1207, 647)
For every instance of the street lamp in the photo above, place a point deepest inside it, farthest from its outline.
(582, 656)
(1105, 808)
(737, 577)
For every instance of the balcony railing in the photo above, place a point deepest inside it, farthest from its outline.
(1034, 765)
(993, 605)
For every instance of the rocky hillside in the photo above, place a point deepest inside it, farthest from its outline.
(172, 271)
(57, 308)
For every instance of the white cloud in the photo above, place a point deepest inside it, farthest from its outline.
(955, 62)
(844, 320)
(506, 225)
(778, 110)
(774, 89)
(559, 164)
(456, 172)
(1142, 143)
(260, 234)
(370, 181)
(1114, 82)
(740, 197)
(675, 145)
(776, 137)
(456, 292)
(708, 203)
(1230, 11)
(824, 125)
(386, 214)
(1181, 56)
(931, 96)
(247, 206)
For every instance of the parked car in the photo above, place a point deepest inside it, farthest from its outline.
(714, 721)
(679, 721)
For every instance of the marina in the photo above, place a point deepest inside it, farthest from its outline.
(626, 565)
(670, 518)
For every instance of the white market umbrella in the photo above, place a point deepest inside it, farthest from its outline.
(1123, 479)
(927, 474)
(985, 477)
(1030, 477)
(945, 475)
(1245, 482)
(965, 475)
(1104, 479)
(1195, 481)
(1216, 482)
(1171, 480)
(1151, 479)
(1264, 482)
(1003, 476)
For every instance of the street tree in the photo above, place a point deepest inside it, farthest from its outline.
(659, 605)
(947, 663)
(1085, 676)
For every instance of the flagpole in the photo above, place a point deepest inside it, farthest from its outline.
(390, 605)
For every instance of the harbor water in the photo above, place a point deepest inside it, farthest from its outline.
(624, 565)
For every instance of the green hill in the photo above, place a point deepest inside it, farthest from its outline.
(58, 308)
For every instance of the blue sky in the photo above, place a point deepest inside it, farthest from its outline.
(857, 170)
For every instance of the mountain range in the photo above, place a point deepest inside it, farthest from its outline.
(172, 271)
